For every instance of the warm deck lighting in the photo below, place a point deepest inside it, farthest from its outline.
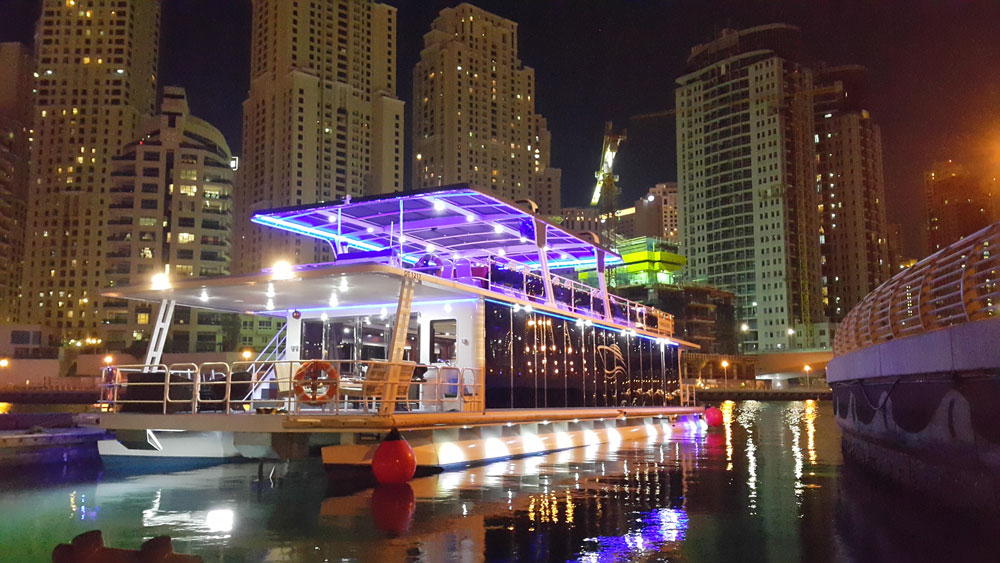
(246, 354)
(161, 281)
(4, 362)
(108, 360)
(282, 270)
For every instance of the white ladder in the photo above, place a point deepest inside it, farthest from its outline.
(159, 339)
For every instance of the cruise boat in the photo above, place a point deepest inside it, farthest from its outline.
(449, 314)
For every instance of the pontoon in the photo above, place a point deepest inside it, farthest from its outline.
(450, 314)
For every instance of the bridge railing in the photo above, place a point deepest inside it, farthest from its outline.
(958, 284)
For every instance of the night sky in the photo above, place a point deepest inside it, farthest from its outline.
(935, 73)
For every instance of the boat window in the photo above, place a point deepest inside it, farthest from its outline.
(443, 340)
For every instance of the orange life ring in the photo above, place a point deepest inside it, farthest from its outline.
(315, 376)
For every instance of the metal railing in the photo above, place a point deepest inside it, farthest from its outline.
(957, 284)
(569, 295)
(238, 388)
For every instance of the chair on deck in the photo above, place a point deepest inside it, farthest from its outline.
(373, 388)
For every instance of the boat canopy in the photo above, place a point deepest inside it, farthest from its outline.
(452, 222)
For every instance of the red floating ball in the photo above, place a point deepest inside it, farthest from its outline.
(394, 462)
(713, 416)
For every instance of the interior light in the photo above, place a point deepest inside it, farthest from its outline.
(343, 284)
(161, 281)
(282, 270)
(324, 317)
(370, 230)
(447, 307)
(429, 247)
(497, 229)
(333, 300)
(470, 218)
(269, 305)
(502, 252)
(204, 296)
(439, 205)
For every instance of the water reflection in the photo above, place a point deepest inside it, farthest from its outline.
(764, 487)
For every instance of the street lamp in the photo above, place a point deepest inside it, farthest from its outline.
(808, 368)
(725, 371)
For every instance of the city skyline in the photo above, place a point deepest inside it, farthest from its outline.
(914, 56)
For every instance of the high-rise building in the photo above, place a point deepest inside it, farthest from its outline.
(849, 179)
(894, 246)
(656, 213)
(169, 211)
(474, 117)
(16, 66)
(322, 120)
(96, 70)
(958, 204)
(746, 169)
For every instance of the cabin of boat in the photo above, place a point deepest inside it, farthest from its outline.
(436, 301)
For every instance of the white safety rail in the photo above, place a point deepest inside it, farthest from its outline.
(957, 284)
(350, 387)
(569, 295)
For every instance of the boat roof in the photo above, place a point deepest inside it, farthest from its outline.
(455, 221)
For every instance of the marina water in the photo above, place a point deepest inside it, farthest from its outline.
(770, 485)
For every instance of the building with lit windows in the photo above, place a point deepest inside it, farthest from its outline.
(16, 67)
(656, 213)
(958, 203)
(322, 121)
(854, 238)
(169, 210)
(96, 68)
(474, 117)
(746, 181)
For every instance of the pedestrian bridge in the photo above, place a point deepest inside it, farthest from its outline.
(938, 316)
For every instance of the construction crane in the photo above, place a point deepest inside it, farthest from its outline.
(606, 192)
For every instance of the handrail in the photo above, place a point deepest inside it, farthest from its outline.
(635, 315)
(193, 388)
(957, 284)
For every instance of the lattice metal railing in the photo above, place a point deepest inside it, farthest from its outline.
(957, 284)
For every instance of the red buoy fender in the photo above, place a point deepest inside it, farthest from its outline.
(394, 462)
(713, 416)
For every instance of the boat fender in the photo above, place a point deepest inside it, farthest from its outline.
(394, 462)
(315, 376)
(713, 416)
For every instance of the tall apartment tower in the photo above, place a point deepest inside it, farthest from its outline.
(16, 82)
(474, 114)
(854, 237)
(168, 211)
(746, 179)
(96, 83)
(958, 204)
(322, 120)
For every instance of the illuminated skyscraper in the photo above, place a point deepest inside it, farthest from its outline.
(848, 143)
(16, 66)
(169, 210)
(746, 179)
(96, 71)
(474, 117)
(322, 120)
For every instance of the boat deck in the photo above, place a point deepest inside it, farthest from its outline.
(356, 422)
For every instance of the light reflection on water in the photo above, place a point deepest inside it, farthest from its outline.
(739, 493)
